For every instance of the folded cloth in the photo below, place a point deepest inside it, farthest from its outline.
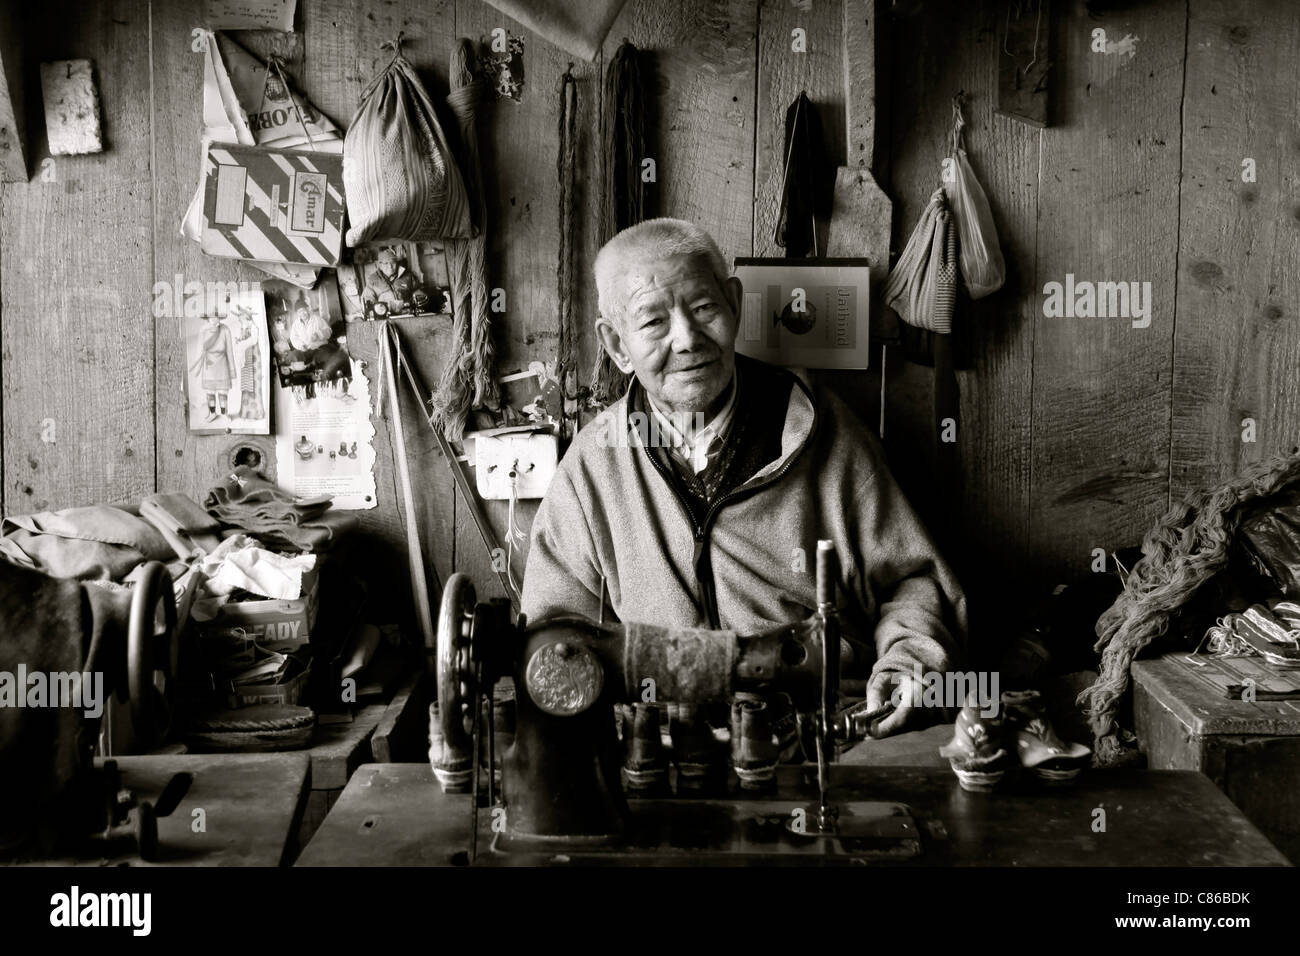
(245, 499)
(99, 542)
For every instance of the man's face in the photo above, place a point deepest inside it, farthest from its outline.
(677, 331)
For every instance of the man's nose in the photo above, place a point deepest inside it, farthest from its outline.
(687, 336)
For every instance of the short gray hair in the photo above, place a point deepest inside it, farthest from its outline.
(653, 239)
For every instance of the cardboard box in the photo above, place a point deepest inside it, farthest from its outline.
(275, 625)
(263, 204)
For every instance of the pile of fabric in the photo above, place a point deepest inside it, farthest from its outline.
(248, 501)
(1242, 528)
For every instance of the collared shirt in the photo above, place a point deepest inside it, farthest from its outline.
(696, 449)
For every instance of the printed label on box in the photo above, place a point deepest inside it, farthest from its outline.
(307, 211)
(230, 196)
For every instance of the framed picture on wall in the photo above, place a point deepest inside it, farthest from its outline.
(228, 368)
(808, 313)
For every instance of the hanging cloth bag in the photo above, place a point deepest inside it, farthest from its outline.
(399, 174)
(922, 288)
(982, 266)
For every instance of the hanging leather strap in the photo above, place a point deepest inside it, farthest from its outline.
(389, 351)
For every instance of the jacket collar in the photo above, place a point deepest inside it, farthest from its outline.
(755, 379)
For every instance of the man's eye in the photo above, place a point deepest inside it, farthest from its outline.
(705, 307)
(652, 322)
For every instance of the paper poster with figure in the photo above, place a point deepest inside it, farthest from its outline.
(228, 368)
(323, 445)
(309, 337)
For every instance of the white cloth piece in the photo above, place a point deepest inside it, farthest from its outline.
(240, 563)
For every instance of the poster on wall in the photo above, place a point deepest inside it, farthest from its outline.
(323, 444)
(323, 432)
(806, 313)
(228, 368)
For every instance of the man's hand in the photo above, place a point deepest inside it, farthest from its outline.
(896, 687)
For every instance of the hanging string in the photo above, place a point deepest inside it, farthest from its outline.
(958, 121)
(623, 199)
(275, 64)
(515, 536)
(566, 165)
(395, 44)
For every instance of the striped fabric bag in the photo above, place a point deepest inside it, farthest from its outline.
(922, 288)
(399, 175)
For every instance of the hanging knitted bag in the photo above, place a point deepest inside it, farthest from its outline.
(922, 288)
(401, 179)
(982, 266)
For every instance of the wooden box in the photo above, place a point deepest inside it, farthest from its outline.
(1185, 721)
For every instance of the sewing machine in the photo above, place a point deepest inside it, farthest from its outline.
(68, 801)
(561, 788)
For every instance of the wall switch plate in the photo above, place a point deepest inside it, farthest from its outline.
(531, 455)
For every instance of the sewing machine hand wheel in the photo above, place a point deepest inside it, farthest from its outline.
(151, 652)
(457, 690)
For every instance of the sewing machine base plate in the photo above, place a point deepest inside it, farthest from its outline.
(721, 832)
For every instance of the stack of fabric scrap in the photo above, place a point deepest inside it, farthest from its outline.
(247, 500)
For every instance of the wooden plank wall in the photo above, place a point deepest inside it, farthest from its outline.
(1075, 433)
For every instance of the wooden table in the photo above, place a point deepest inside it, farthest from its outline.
(396, 815)
(1250, 749)
(252, 805)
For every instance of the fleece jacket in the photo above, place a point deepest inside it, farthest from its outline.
(745, 559)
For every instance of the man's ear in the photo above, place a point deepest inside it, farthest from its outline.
(733, 290)
(612, 340)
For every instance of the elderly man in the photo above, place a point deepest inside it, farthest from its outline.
(719, 528)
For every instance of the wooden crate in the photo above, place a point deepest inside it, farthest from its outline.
(1251, 751)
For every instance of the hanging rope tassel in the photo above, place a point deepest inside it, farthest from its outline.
(623, 202)
(469, 377)
(566, 165)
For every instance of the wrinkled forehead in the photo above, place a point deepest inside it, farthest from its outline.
(661, 280)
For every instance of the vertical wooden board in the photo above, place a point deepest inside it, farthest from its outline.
(998, 331)
(700, 126)
(519, 146)
(13, 126)
(782, 74)
(934, 57)
(380, 553)
(342, 54)
(188, 464)
(1237, 346)
(1108, 211)
(75, 279)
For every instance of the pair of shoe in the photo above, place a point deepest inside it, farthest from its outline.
(1019, 733)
